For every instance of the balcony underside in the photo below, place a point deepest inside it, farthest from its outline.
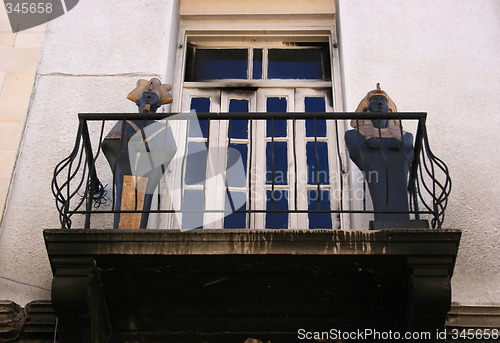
(228, 285)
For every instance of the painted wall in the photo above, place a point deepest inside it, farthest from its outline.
(91, 58)
(19, 57)
(441, 57)
(202, 7)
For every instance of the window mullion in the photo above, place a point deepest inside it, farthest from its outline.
(250, 64)
(264, 63)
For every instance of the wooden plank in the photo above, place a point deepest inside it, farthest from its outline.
(134, 190)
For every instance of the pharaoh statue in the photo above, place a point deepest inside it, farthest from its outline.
(383, 152)
(138, 152)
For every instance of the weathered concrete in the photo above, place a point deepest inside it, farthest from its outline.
(251, 242)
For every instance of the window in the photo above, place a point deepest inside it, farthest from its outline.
(292, 61)
(286, 164)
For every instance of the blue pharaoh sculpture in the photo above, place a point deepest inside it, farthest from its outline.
(384, 153)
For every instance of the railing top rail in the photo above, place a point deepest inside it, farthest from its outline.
(255, 115)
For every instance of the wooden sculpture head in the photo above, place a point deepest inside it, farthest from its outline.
(150, 95)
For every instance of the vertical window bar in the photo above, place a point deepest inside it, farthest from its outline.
(184, 160)
(183, 167)
(273, 166)
(162, 172)
(295, 164)
(209, 122)
(249, 171)
(341, 186)
(265, 63)
(318, 163)
(250, 64)
(228, 193)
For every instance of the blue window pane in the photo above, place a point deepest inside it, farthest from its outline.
(314, 104)
(196, 163)
(200, 104)
(317, 163)
(212, 64)
(276, 104)
(199, 128)
(257, 64)
(238, 105)
(321, 203)
(315, 127)
(193, 200)
(277, 200)
(236, 154)
(235, 201)
(276, 128)
(238, 128)
(295, 64)
(276, 163)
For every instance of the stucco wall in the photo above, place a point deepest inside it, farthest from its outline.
(441, 57)
(19, 57)
(91, 58)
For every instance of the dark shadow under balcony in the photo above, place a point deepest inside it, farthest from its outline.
(229, 285)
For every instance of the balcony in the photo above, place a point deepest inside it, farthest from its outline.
(225, 280)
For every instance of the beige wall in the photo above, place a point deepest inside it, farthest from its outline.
(202, 7)
(441, 57)
(92, 57)
(19, 55)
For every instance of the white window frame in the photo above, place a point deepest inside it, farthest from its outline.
(252, 31)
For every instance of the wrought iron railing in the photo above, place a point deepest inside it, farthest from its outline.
(84, 184)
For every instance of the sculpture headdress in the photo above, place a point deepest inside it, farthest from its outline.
(153, 85)
(365, 127)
